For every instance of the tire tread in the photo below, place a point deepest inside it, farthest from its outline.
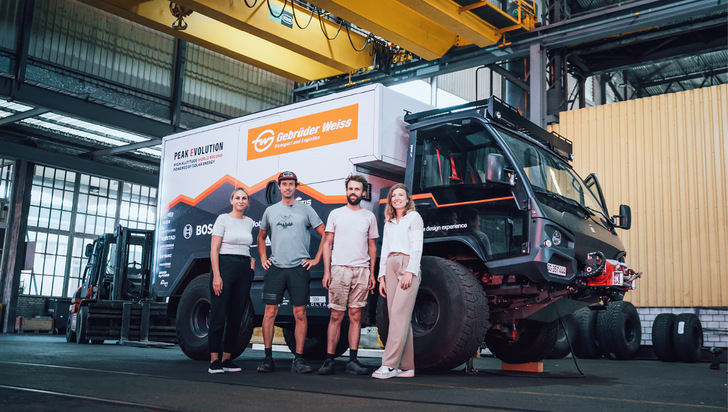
(611, 323)
(662, 337)
(586, 345)
(689, 344)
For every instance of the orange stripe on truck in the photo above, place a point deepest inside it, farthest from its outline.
(312, 193)
(430, 196)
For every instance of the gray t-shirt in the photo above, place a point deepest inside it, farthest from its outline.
(289, 230)
(236, 234)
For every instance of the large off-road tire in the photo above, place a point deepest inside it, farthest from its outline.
(316, 341)
(82, 325)
(450, 317)
(535, 341)
(663, 337)
(619, 331)
(565, 337)
(688, 337)
(193, 324)
(586, 345)
(70, 332)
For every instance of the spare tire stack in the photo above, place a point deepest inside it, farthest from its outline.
(614, 331)
(677, 337)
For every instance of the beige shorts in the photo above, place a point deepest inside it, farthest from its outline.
(348, 288)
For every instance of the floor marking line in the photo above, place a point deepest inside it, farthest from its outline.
(88, 398)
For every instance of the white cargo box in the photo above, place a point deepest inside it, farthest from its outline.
(322, 140)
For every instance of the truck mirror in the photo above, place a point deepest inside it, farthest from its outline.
(89, 250)
(496, 169)
(624, 219)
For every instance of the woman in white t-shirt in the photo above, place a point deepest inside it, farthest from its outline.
(232, 276)
(400, 266)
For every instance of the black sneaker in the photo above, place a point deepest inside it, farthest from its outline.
(300, 366)
(229, 366)
(356, 368)
(268, 365)
(215, 367)
(327, 368)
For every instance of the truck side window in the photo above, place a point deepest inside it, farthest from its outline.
(454, 155)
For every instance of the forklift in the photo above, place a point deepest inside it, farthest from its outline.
(114, 301)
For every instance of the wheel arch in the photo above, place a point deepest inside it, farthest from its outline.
(461, 249)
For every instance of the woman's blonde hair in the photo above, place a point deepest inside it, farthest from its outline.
(389, 212)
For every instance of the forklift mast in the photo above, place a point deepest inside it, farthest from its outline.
(118, 266)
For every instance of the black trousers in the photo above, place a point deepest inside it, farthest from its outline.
(226, 310)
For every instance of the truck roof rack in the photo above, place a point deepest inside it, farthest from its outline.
(498, 111)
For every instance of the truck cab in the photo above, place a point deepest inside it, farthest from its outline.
(513, 236)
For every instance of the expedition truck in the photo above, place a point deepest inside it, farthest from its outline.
(514, 238)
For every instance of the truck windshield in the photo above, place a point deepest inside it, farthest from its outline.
(455, 154)
(553, 181)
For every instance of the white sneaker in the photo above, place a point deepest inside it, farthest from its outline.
(384, 372)
(405, 374)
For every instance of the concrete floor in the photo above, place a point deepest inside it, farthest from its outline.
(44, 373)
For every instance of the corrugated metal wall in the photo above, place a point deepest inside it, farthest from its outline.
(463, 83)
(9, 12)
(219, 83)
(86, 39)
(667, 157)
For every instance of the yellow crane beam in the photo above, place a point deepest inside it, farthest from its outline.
(396, 23)
(222, 38)
(448, 14)
(310, 42)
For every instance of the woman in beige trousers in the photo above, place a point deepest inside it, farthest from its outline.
(400, 266)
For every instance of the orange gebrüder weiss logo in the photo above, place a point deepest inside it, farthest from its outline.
(315, 130)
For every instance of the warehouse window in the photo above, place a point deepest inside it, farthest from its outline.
(49, 264)
(51, 199)
(6, 189)
(78, 262)
(138, 206)
(68, 210)
(97, 204)
(7, 168)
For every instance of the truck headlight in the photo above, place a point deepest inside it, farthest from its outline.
(556, 238)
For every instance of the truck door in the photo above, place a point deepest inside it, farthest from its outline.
(453, 196)
(592, 183)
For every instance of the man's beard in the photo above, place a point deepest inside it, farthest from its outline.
(356, 201)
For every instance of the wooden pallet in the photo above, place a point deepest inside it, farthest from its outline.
(37, 325)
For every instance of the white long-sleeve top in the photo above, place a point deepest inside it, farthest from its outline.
(405, 237)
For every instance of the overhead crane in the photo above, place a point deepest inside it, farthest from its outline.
(308, 45)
